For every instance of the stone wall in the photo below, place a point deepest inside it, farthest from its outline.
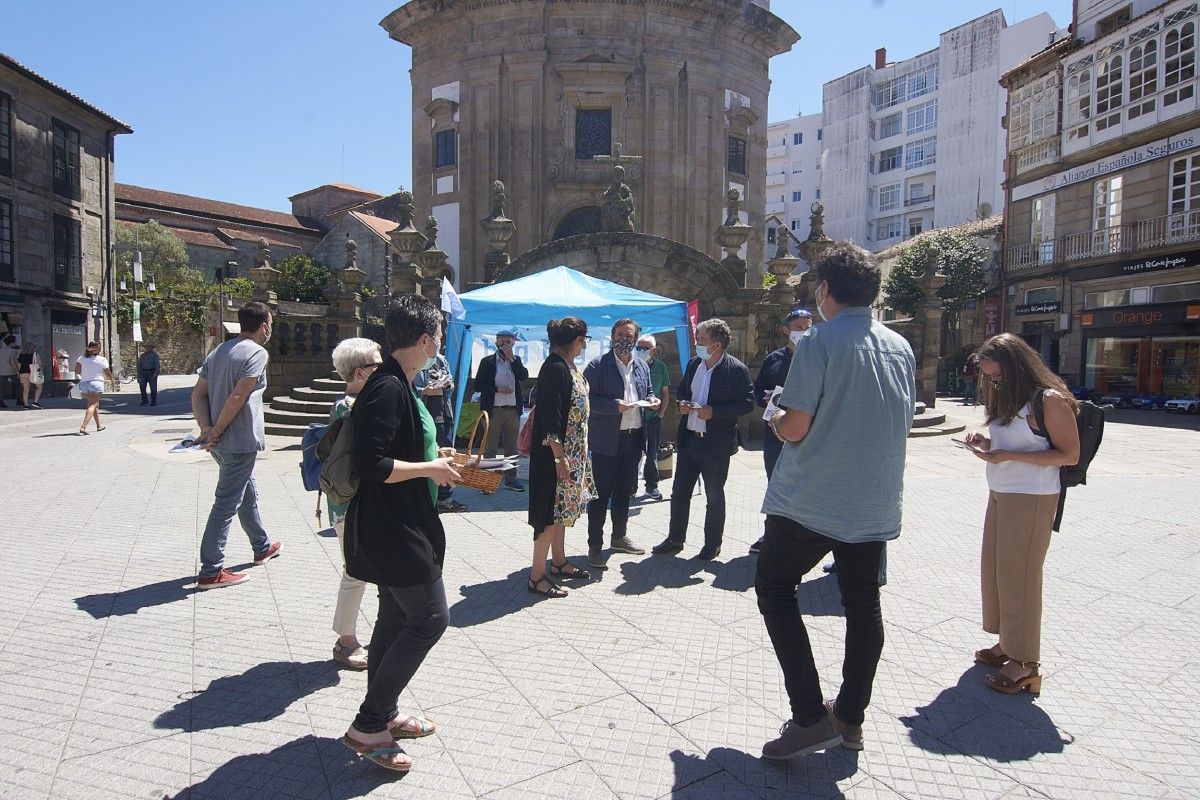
(181, 350)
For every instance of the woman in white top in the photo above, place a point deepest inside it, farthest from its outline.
(1023, 482)
(92, 368)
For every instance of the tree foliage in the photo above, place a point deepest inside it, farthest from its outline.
(961, 258)
(300, 278)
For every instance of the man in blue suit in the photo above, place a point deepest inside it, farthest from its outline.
(617, 382)
(714, 392)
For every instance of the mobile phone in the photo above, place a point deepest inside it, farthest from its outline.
(965, 445)
(689, 404)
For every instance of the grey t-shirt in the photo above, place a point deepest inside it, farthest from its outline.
(6, 353)
(225, 366)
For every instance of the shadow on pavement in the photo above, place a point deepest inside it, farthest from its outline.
(260, 693)
(131, 601)
(294, 770)
(734, 575)
(491, 600)
(653, 572)
(821, 597)
(815, 775)
(1019, 734)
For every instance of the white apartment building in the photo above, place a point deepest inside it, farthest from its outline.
(918, 144)
(793, 175)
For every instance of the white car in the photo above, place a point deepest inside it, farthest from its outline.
(1184, 405)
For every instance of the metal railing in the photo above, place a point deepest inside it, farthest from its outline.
(1147, 234)
(921, 200)
(1182, 226)
(1094, 244)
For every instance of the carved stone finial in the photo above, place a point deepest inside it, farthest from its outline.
(816, 223)
(733, 234)
(431, 231)
(932, 258)
(499, 200)
(500, 230)
(733, 205)
(262, 258)
(351, 253)
(404, 201)
(781, 240)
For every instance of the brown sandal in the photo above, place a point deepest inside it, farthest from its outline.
(1028, 683)
(552, 589)
(561, 571)
(988, 657)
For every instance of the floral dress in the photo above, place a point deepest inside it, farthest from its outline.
(572, 495)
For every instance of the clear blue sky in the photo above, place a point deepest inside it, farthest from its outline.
(251, 101)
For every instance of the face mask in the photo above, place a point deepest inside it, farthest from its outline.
(702, 352)
(622, 347)
(820, 303)
(642, 355)
(794, 337)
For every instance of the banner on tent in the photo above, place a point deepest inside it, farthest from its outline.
(534, 354)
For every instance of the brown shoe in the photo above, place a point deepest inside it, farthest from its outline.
(222, 579)
(852, 735)
(795, 740)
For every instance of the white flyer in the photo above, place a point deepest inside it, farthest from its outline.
(772, 409)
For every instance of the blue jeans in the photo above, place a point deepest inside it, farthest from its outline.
(772, 447)
(411, 621)
(237, 494)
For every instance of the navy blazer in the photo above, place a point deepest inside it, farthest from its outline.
(605, 388)
(485, 382)
(730, 395)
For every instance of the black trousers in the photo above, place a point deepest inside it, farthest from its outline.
(411, 621)
(789, 552)
(772, 447)
(148, 379)
(694, 461)
(653, 430)
(616, 481)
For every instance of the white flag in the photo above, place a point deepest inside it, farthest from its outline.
(450, 302)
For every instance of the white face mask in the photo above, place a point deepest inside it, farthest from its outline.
(821, 303)
(794, 337)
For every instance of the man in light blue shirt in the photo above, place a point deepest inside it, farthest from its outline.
(837, 487)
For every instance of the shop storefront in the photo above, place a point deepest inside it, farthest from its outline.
(1143, 348)
(68, 337)
(12, 314)
(1041, 328)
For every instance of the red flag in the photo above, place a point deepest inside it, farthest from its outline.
(694, 316)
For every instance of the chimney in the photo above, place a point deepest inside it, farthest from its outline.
(881, 58)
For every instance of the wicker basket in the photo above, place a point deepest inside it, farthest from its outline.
(467, 464)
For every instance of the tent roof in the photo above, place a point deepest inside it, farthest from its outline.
(532, 301)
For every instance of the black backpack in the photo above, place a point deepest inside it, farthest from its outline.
(1090, 420)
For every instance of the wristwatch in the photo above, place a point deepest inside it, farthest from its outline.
(562, 460)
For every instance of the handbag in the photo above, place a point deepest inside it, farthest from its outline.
(74, 393)
(470, 473)
(525, 437)
(36, 376)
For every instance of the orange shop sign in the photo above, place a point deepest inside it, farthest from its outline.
(1139, 316)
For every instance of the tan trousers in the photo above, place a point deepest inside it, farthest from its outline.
(502, 435)
(349, 597)
(1016, 536)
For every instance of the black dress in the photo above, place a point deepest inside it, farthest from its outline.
(555, 391)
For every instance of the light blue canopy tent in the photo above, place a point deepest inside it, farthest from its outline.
(525, 305)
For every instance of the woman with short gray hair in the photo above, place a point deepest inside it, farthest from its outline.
(355, 360)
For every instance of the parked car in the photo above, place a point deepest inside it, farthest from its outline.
(1151, 401)
(1081, 392)
(1185, 405)
(1118, 399)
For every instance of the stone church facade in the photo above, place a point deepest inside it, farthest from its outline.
(530, 91)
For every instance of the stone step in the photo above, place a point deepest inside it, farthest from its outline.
(330, 385)
(920, 409)
(294, 417)
(308, 393)
(303, 406)
(929, 420)
(941, 430)
(280, 429)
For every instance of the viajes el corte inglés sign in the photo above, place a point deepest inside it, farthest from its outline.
(1114, 163)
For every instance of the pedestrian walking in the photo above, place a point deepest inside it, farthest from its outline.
(355, 360)
(560, 474)
(9, 352)
(31, 374)
(394, 538)
(227, 405)
(92, 370)
(435, 386)
(617, 383)
(772, 375)
(498, 382)
(1023, 464)
(148, 369)
(714, 392)
(837, 486)
(660, 380)
(970, 373)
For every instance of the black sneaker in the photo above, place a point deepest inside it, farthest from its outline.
(757, 546)
(37, 406)
(709, 552)
(667, 547)
(514, 486)
(654, 494)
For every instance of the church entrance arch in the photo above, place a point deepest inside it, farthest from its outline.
(585, 219)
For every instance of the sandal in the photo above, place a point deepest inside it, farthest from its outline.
(82, 432)
(560, 570)
(383, 756)
(354, 658)
(101, 428)
(988, 657)
(1028, 683)
(552, 589)
(426, 727)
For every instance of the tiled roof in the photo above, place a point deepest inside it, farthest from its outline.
(382, 227)
(236, 235)
(189, 236)
(17, 66)
(1062, 44)
(976, 227)
(346, 187)
(216, 209)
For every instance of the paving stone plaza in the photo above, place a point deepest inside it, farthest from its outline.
(118, 680)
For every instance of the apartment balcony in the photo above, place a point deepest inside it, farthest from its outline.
(776, 207)
(1145, 235)
(776, 178)
(919, 200)
(1037, 155)
(777, 151)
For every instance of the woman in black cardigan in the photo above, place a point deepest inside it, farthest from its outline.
(560, 474)
(393, 535)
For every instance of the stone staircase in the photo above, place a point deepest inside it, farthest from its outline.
(932, 423)
(291, 416)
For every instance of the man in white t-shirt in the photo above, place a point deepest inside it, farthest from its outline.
(8, 367)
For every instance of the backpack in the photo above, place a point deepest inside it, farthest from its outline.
(337, 478)
(310, 465)
(1090, 421)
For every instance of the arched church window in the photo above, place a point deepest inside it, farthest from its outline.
(593, 132)
(577, 222)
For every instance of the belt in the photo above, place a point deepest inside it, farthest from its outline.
(630, 431)
(691, 432)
